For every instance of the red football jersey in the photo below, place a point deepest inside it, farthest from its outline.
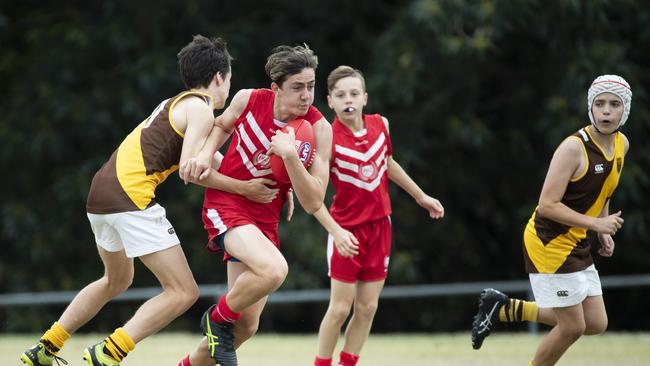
(359, 172)
(246, 158)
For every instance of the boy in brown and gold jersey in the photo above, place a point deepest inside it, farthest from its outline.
(126, 220)
(581, 179)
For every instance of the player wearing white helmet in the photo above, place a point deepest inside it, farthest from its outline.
(581, 179)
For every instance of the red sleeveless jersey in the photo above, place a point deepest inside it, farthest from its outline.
(359, 172)
(246, 158)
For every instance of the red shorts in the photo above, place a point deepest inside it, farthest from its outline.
(371, 264)
(218, 221)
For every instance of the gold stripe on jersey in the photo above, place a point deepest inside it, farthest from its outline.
(146, 157)
(132, 174)
(584, 152)
(551, 247)
(210, 101)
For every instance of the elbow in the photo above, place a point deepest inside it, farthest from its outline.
(543, 210)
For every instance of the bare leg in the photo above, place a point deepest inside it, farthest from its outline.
(245, 328)
(241, 275)
(365, 307)
(118, 275)
(266, 270)
(595, 315)
(570, 326)
(546, 316)
(341, 299)
(179, 293)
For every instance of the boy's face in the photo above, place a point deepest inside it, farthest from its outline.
(296, 94)
(347, 98)
(607, 111)
(223, 90)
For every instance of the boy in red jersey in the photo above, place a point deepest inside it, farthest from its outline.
(247, 231)
(358, 224)
(582, 177)
(128, 223)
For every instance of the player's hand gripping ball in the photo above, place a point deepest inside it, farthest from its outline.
(304, 147)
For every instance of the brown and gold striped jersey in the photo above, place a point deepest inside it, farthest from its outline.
(146, 157)
(552, 247)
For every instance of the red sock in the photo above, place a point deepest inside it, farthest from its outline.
(222, 312)
(322, 361)
(185, 361)
(347, 359)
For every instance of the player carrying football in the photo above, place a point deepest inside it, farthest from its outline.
(247, 231)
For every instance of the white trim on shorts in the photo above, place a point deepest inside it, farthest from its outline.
(138, 233)
(330, 253)
(560, 290)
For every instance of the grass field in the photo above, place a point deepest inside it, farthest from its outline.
(504, 349)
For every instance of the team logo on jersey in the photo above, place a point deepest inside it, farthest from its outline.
(599, 169)
(619, 164)
(261, 160)
(368, 171)
(303, 151)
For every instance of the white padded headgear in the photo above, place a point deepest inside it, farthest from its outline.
(610, 84)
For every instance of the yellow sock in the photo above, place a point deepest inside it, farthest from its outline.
(516, 310)
(54, 338)
(118, 344)
(530, 312)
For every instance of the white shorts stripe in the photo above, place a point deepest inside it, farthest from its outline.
(330, 252)
(217, 223)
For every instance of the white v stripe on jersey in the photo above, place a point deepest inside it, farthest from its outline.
(354, 167)
(247, 140)
(368, 186)
(257, 130)
(359, 155)
(345, 165)
(249, 165)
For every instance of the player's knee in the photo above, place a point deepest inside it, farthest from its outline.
(118, 283)
(596, 327)
(573, 330)
(366, 310)
(277, 272)
(338, 313)
(190, 293)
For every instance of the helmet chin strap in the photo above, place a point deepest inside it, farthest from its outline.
(593, 124)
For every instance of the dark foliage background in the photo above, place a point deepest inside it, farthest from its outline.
(479, 94)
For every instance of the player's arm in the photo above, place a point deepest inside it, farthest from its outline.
(397, 175)
(308, 185)
(197, 118)
(346, 243)
(198, 166)
(565, 164)
(199, 169)
(606, 241)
